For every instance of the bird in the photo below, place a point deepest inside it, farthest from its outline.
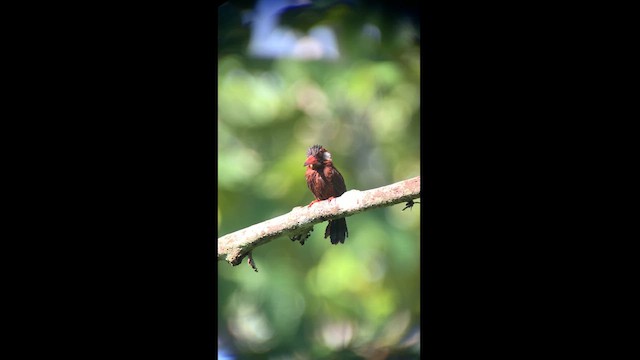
(326, 183)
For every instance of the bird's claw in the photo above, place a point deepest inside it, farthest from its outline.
(313, 202)
(317, 200)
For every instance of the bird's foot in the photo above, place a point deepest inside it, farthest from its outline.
(313, 202)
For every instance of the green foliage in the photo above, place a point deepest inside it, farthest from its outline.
(320, 300)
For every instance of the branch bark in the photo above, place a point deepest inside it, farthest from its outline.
(301, 219)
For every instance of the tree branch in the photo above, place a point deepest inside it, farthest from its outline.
(299, 222)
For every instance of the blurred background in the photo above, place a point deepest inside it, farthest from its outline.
(346, 75)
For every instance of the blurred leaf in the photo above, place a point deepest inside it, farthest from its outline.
(318, 11)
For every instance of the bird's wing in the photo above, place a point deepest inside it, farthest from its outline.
(337, 182)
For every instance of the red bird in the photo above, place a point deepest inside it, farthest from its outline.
(326, 183)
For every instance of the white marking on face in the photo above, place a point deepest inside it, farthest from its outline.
(327, 155)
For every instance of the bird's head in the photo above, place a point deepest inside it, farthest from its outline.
(316, 156)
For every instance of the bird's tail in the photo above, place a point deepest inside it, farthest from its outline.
(337, 230)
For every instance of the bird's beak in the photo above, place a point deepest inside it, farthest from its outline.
(310, 161)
